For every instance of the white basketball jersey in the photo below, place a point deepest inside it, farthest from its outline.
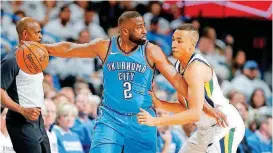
(213, 93)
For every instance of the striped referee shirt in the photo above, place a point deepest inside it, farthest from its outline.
(23, 88)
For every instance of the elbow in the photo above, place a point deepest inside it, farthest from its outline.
(196, 115)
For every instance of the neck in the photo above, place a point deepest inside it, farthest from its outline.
(185, 59)
(126, 46)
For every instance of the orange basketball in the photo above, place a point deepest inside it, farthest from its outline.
(32, 57)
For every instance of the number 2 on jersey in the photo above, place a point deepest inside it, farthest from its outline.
(127, 90)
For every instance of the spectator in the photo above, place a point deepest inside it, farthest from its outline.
(109, 14)
(196, 24)
(229, 40)
(11, 29)
(94, 104)
(159, 39)
(237, 97)
(83, 125)
(238, 64)
(78, 8)
(63, 25)
(95, 30)
(68, 91)
(206, 42)
(60, 99)
(49, 114)
(168, 141)
(68, 141)
(228, 56)
(155, 10)
(81, 88)
(5, 145)
(48, 10)
(261, 140)
(243, 110)
(249, 81)
(257, 99)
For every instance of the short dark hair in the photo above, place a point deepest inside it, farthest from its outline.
(190, 27)
(128, 15)
(63, 8)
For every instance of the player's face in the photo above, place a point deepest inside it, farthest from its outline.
(34, 32)
(137, 34)
(66, 121)
(181, 43)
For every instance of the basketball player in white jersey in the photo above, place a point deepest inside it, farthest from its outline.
(203, 87)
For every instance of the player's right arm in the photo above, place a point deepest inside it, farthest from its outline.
(174, 107)
(9, 70)
(67, 49)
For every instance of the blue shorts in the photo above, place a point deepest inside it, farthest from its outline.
(115, 133)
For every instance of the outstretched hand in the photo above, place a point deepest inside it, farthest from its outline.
(144, 118)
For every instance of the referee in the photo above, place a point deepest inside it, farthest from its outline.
(23, 95)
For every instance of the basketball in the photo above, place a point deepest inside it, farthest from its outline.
(32, 57)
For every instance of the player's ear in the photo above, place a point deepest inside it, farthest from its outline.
(24, 34)
(125, 31)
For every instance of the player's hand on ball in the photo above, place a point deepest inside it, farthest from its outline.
(145, 118)
(31, 113)
(155, 100)
(220, 118)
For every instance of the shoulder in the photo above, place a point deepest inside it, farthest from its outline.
(153, 49)
(10, 60)
(154, 52)
(196, 71)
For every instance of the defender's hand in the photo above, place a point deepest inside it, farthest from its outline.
(145, 118)
(220, 118)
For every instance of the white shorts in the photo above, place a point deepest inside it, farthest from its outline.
(215, 139)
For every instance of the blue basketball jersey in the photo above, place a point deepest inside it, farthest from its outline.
(127, 79)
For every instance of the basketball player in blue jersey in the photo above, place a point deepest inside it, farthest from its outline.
(128, 67)
(201, 80)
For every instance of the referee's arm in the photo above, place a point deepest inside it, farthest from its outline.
(9, 70)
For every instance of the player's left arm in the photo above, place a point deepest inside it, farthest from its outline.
(195, 78)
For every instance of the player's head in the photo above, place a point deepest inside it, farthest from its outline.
(184, 40)
(132, 27)
(28, 29)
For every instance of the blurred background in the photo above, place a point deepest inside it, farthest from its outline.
(235, 37)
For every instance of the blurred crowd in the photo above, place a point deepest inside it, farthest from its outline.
(73, 87)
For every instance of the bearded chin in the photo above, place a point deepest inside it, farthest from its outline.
(137, 41)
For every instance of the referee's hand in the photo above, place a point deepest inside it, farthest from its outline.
(31, 113)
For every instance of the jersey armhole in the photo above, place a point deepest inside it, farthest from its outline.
(146, 57)
(109, 47)
(202, 61)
